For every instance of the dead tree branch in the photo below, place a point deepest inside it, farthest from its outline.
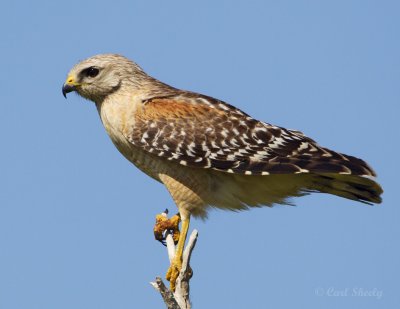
(180, 299)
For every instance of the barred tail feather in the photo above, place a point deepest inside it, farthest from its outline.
(339, 174)
(359, 188)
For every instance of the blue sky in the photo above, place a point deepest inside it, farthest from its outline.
(76, 218)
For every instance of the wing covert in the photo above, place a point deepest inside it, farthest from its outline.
(202, 132)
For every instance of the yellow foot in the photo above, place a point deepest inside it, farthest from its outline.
(163, 225)
(173, 272)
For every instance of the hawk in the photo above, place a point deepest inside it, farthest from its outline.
(208, 153)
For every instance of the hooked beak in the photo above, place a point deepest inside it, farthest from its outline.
(67, 88)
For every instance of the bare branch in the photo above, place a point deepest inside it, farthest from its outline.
(166, 294)
(170, 246)
(181, 298)
(182, 290)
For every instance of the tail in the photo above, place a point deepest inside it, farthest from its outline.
(358, 188)
(354, 179)
(338, 174)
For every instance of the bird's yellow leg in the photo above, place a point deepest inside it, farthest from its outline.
(176, 264)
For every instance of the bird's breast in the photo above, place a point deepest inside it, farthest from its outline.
(118, 119)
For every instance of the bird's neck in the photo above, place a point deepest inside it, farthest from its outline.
(119, 107)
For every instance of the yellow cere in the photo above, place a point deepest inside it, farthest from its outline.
(71, 81)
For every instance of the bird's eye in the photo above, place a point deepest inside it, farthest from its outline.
(92, 72)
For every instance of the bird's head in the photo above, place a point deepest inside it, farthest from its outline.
(97, 77)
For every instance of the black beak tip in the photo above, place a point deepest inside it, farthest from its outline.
(66, 89)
